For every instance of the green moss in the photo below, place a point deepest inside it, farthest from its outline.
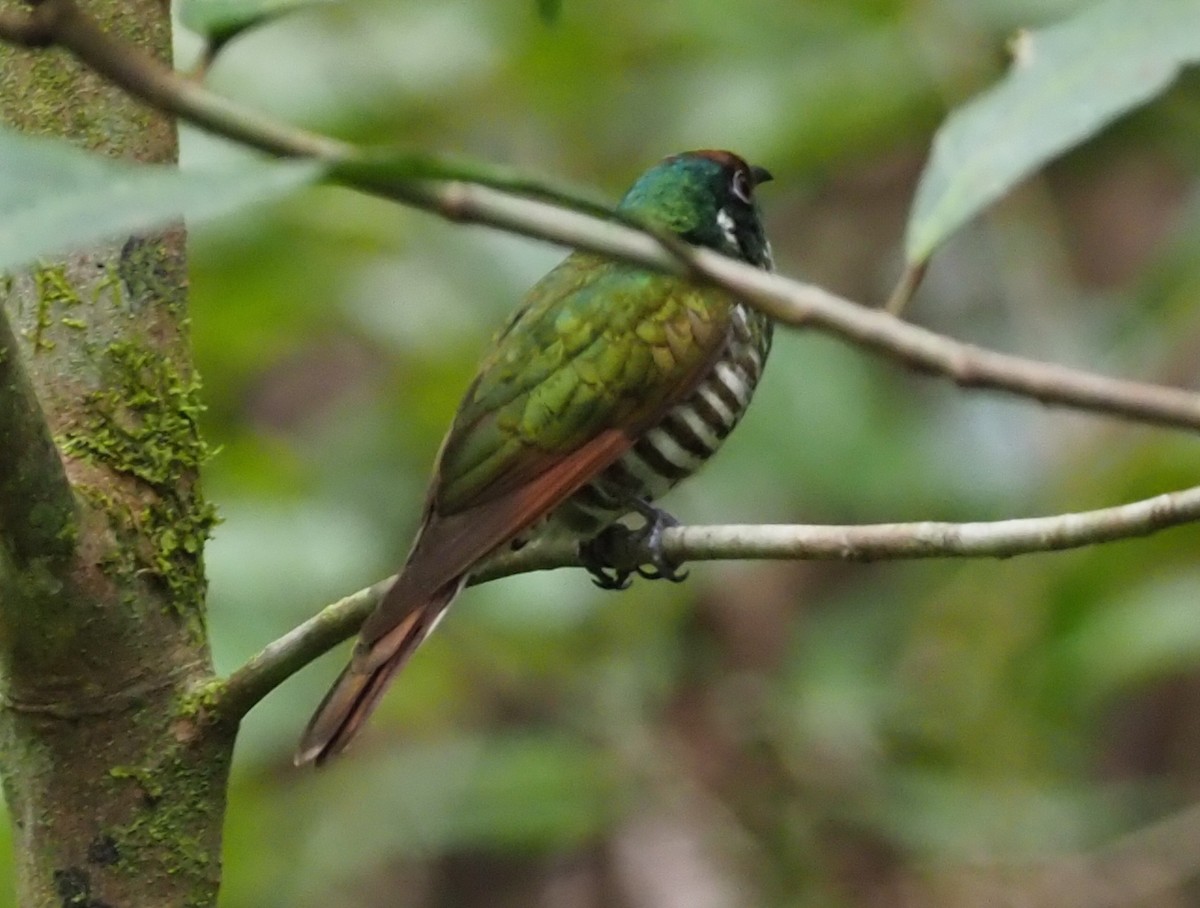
(203, 699)
(151, 788)
(53, 286)
(35, 102)
(110, 283)
(76, 323)
(52, 92)
(152, 271)
(144, 424)
(53, 289)
(181, 794)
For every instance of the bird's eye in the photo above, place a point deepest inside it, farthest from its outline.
(740, 186)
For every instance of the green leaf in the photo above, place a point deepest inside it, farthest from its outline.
(220, 20)
(54, 198)
(1066, 83)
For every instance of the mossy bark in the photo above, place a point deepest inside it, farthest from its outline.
(113, 773)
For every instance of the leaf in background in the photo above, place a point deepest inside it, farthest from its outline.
(54, 197)
(1066, 83)
(549, 10)
(1147, 633)
(220, 20)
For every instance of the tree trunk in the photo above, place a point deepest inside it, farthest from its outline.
(114, 775)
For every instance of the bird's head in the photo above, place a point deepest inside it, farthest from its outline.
(707, 197)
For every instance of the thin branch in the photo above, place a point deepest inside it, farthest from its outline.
(37, 506)
(206, 59)
(807, 305)
(786, 300)
(24, 30)
(879, 542)
(281, 659)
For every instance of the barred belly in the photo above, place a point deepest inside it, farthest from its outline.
(689, 434)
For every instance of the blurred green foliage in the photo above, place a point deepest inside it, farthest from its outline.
(943, 733)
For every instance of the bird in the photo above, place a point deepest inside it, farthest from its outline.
(608, 385)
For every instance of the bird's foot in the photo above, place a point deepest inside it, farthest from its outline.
(614, 555)
(651, 536)
(600, 554)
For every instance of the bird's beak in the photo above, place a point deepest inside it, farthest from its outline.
(761, 175)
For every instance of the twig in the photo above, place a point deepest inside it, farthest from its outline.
(788, 301)
(25, 30)
(910, 280)
(795, 303)
(37, 506)
(206, 59)
(888, 541)
(222, 31)
(281, 659)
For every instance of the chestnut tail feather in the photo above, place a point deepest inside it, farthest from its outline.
(357, 691)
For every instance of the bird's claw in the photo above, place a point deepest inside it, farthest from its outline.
(664, 571)
(599, 553)
(616, 580)
(661, 567)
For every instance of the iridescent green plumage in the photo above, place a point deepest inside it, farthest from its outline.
(600, 344)
(607, 386)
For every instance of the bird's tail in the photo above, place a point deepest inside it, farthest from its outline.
(356, 692)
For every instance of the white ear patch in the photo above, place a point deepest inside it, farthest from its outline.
(728, 228)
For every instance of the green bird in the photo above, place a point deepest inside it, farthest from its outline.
(607, 386)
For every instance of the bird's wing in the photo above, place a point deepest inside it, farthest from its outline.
(596, 356)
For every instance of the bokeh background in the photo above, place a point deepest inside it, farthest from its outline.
(948, 733)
